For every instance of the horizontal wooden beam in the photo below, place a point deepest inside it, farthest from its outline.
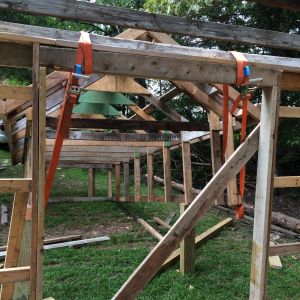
(84, 165)
(15, 185)
(116, 136)
(289, 112)
(111, 56)
(284, 249)
(95, 13)
(286, 181)
(132, 124)
(15, 92)
(18, 274)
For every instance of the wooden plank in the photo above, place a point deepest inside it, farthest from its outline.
(288, 4)
(15, 185)
(15, 274)
(91, 182)
(187, 246)
(233, 197)
(289, 112)
(133, 124)
(150, 229)
(200, 239)
(150, 174)
(286, 181)
(95, 13)
(215, 146)
(118, 181)
(109, 183)
(15, 239)
(167, 173)
(79, 199)
(137, 178)
(264, 188)
(15, 92)
(153, 262)
(284, 249)
(274, 261)
(126, 180)
(170, 68)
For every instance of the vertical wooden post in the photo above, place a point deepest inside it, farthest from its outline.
(38, 175)
(150, 180)
(118, 181)
(233, 197)
(215, 146)
(167, 172)
(91, 182)
(137, 177)
(187, 246)
(109, 183)
(264, 192)
(126, 180)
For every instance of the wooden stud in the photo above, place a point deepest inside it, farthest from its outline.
(284, 249)
(137, 178)
(167, 173)
(18, 274)
(15, 240)
(187, 246)
(118, 181)
(286, 181)
(264, 188)
(15, 185)
(215, 146)
(232, 189)
(91, 182)
(150, 174)
(289, 112)
(15, 92)
(126, 180)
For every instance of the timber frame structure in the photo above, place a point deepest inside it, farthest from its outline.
(30, 118)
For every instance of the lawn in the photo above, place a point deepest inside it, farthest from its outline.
(96, 272)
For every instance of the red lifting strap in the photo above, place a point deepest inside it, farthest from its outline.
(241, 80)
(84, 54)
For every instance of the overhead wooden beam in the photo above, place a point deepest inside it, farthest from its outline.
(111, 56)
(132, 124)
(288, 4)
(153, 262)
(95, 13)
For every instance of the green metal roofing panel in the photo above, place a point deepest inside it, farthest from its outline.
(104, 98)
(95, 108)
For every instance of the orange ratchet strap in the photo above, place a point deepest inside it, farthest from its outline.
(243, 73)
(72, 93)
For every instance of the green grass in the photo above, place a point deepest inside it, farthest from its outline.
(98, 271)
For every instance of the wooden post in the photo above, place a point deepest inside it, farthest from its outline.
(118, 181)
(167, 172)
(187, 246)
(91, 182)
(215, 146)
(38, 175)
(150, 180)
(126, 180)
(233, 197)
(109, 183)
(264, 192)
(137, 177)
